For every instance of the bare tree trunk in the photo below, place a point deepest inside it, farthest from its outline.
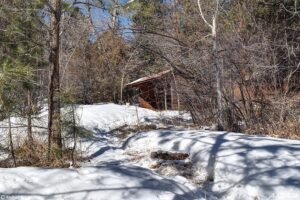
(123, 76)
(29, 118)
(11, 144)
(213, 27)
(218, 75)
(115, 15)
(137, 116)
(176, 17)
(122, 86)
(54, 129)
(89, 16)
(176, 90)
(74, 135)
(165, 98)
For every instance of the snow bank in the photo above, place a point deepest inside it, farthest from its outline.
(98, 119)
(104, 182)
(243, 166)
(104, 117)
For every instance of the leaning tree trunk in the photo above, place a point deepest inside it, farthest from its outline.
(54, 129)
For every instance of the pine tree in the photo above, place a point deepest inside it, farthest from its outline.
(19, 58)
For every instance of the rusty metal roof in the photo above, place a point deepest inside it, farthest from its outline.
(149, 78)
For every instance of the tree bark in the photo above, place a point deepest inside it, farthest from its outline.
(165, 98)
(74, 135)
(122, 86)
(213, 27)
(29, 119)
(218, 75)
(54, 129)
(11, 144)
(115, 14)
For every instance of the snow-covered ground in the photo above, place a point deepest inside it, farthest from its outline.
(105, 117)
(97, 119)
(104, 182)
(100, 117)
(242, 166)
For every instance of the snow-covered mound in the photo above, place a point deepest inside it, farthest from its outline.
(244, 167)
(104, 182)
(102, 118)
(105, 117)
(98, 119)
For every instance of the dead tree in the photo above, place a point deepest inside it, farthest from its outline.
(213, 27)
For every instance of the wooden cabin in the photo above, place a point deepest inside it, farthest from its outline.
(157, 92)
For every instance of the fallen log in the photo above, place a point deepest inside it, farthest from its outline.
(167, 155)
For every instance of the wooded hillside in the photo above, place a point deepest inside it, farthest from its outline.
(238, 61)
